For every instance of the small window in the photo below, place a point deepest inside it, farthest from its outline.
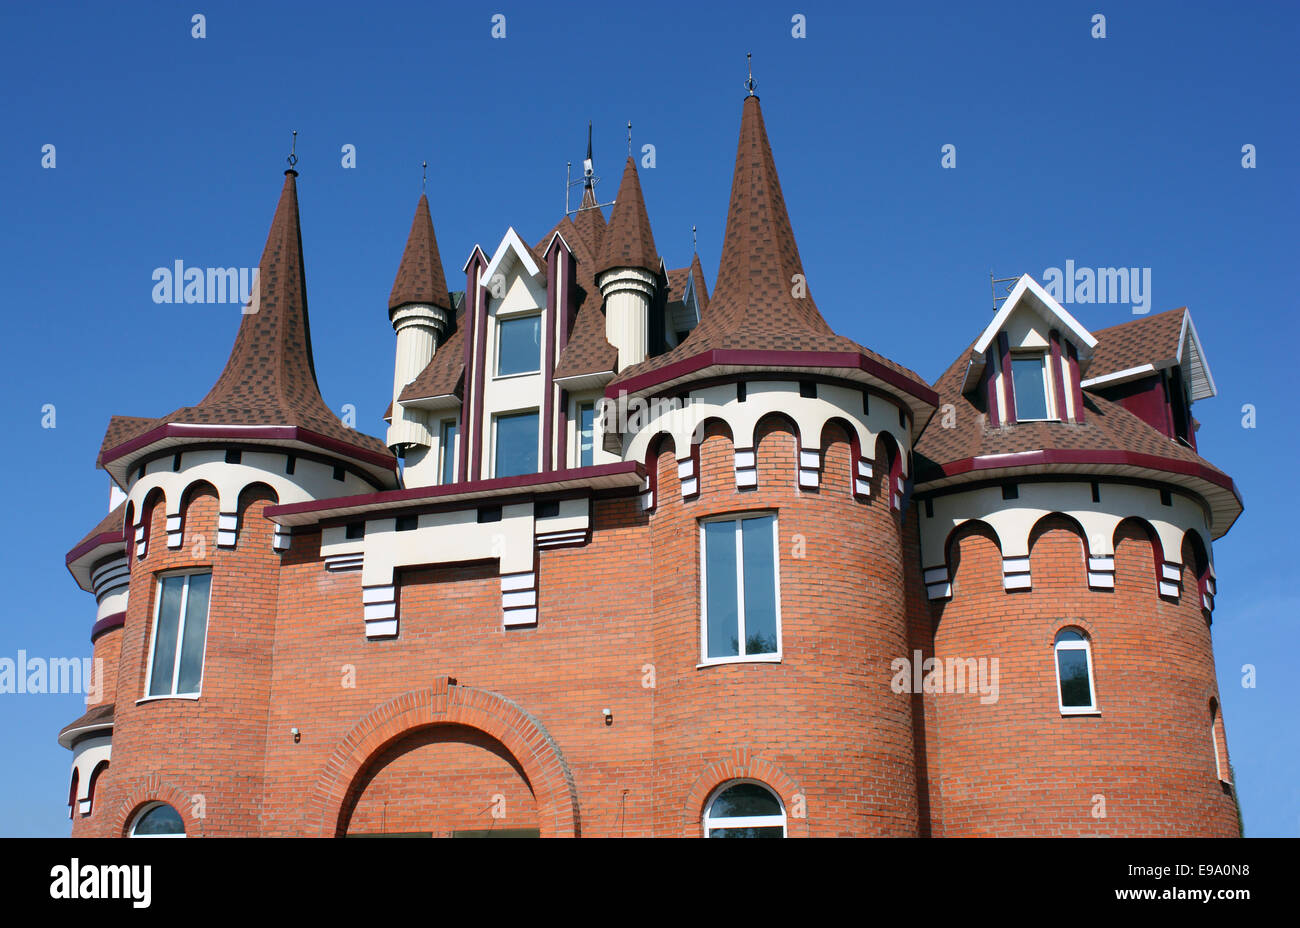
(516, 445)
(158, 820)
(1076, 694)
(742, 619)
(519, 345)
(744, 810)
(586, 434)
(180, 632)
(1029, 374)
(450, 448)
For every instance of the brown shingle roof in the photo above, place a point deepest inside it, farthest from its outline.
(112, 524)
(678, 277)
(589, 220)
(753, 307)
(1149, 340)
(587, 351)
(628, 242)
(1107, 426)
(442, 375)
(270, 377)
(95, 718)
(420, 278)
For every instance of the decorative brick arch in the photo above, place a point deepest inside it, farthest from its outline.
(141, 791)
(446, 703)
(740, 765)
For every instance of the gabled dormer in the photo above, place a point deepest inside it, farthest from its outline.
(1155, 368)
(1027, 364)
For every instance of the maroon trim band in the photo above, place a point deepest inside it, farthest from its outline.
(1008, 385)
(250, 432)
(1058, 376)
(101, 540)
(107, 624)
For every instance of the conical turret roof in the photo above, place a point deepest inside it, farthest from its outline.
(628, 242)
(420, 277)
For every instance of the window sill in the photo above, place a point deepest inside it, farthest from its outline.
(516, 375)
(747, 659)
(190, 696)
(1068, 712)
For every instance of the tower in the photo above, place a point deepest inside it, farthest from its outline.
(628, 271)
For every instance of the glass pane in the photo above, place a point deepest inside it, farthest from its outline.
(164, 642)
(519, 348)
(586, 449)
(1073, 665)
(720, 586)
(516, 445)
(744, 799)
(763, 832)
(196, 629)
(160, 820)
(449, 452)
(1069, 634)
(760, 585)
(1031, 393)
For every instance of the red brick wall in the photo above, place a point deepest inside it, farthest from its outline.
(1018, 767)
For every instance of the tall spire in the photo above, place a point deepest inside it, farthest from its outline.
(628, 242)
(270, 377)
(760, 275)
(420, 277)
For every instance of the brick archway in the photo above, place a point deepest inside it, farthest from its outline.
(741, 765)
(448, 703)
(141, 791)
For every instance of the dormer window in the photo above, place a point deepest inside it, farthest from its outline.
(1029, 379)
(519, 344)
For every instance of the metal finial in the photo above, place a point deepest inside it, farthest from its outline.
(749, 81)
(293, 151)
(424, 181)
(695, 245)
(629, 138)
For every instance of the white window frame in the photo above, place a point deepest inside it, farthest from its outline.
(770, 658)
(1049, 398)
(709, 823)
(577, 430)
(536, 413)
(444, 450)
(145, 810)
(1086, 647)
(180, 637)
(499, 321)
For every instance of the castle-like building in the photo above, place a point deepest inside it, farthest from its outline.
(636, 559)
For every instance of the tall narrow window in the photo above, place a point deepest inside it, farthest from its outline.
(1030, 379)
(449, 451)
(180, 631)
(519, 345)
(1076, 694)
(586, 434)
(516, 444)
(744, 810)
(742, 618)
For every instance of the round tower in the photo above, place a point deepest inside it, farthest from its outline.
(628, 272)
(1065, 546)
(776, 459)
(202, 562)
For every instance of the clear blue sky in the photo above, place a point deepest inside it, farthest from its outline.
(1117, 151)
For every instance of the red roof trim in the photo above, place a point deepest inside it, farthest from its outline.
(1076, 456)
(844, 359)
(273, 432)
(432, 494)
(101, 540)
(107, 624)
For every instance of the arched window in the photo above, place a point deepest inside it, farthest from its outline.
(72, 792)
(744, 810)
(1075, 691)
(158, 820)
(94, 781)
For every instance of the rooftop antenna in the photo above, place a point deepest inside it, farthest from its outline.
(749, 81)
(994, 281)
(424, 180)
(293, 151)
(589, 180)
